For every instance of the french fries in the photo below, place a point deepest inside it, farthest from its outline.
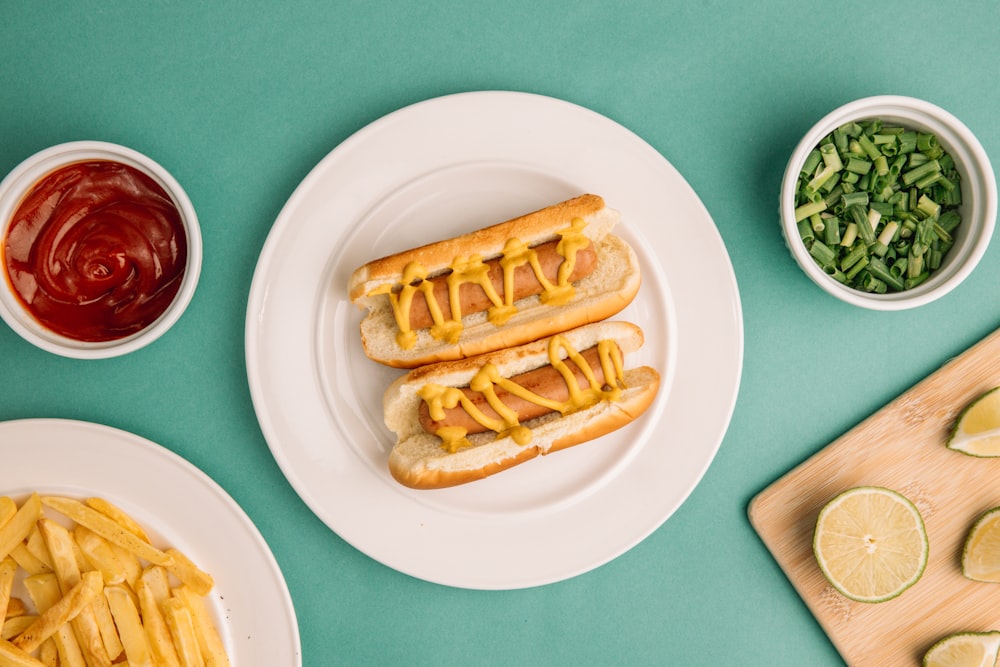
(106, 527)
(99, 593)
(133, 635)
(17, 528)
(7, 569)
(65, 610)
(12, 656)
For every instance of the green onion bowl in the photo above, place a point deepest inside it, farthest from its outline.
(888, 202)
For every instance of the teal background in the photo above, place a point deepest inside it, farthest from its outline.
(239, 100)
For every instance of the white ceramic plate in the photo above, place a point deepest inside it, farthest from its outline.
(179, 506)
(433, 170)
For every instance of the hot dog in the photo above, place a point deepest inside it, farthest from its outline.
(464, 420)
(474, 299)
(546, 381)
(504, 285)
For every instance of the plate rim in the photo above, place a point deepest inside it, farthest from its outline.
(33, 427)
(285, 224)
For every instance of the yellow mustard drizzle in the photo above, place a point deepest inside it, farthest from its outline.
(472, 269)
(440, 398)
(571, 240)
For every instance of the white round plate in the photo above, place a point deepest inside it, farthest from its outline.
(179, 506)
(433, 170)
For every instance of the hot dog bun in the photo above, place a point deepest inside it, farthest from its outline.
(609, 289)
(420, 461)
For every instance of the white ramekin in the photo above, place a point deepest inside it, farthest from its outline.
(29, 172)
(978, 208)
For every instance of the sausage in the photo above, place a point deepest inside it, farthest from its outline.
(473, 299)
(544, 381)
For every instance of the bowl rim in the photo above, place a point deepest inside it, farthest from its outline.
(36, 166)
(977, 174)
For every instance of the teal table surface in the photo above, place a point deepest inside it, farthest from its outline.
(239, 100)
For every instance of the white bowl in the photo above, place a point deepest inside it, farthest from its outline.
(978, 208)
(14, 187)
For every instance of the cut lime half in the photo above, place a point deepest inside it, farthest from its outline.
(977, 429)
(981, 553)
(870, 543)
(964, 649)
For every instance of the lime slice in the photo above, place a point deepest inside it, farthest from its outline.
(977, 429)
(870, 543)
(964, 649)
(981, 554)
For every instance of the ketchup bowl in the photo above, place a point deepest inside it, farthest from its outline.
(100, 250)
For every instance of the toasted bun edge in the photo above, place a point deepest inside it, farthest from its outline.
(436, 471)
(600, 296)
(534, 227)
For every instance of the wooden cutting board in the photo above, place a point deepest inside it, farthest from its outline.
(901, 447)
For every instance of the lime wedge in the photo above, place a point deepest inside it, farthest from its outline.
(981, 554)
(977, 429)
(870, 543)
(964, 649)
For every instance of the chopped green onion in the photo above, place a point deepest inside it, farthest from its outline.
(806, 232)
(833, 196)
(934, 259)
(850, 233)
(907, 142)
(870, 149)
(883, 208)
(864, 180)
(912, 176)
(820, 178)
(882, 165)
(877, 205)
(942, 233)
(953, 197)
(888, 234)
(831, 158)
(858, 166)
(865, 229)
(897, 167)
(928, 180)
(806, 210)
(869, 283)
(910, 283)
(831, 230)
(852, 129)
(852, 199)
(926, 142)
(878, 269)
(812, 161)
(859, 266)
(929, 206)
(886, 237)
(831, 183)
(836, 274)
(816, 222)
(858, 252)
(840, 139)
(948, 220)
(945, 183)
(873, 218)
(822, 253)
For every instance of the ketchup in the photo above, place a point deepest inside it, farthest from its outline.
(96, 250)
